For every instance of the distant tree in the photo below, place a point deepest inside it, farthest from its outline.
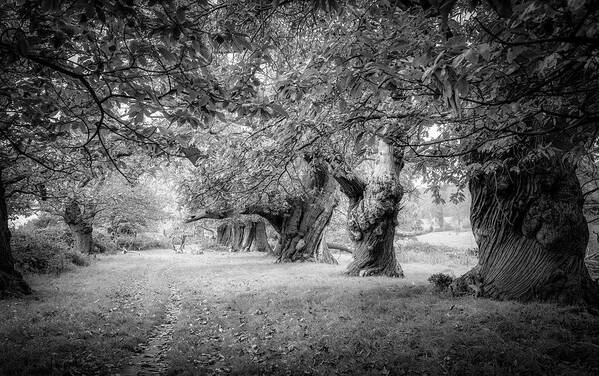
(243, 235)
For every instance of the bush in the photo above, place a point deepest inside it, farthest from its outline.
(77, 258)
(440, 281)
(104, 243)
(142, 242)
(45, 251)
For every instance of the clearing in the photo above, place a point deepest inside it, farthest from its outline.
(155, 312)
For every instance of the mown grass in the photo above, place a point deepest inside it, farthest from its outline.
(310, 319)
(243, 315)
(87, 321)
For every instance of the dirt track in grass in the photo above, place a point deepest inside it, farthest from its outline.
(220, 313)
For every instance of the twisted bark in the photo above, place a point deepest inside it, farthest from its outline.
(11, 281)
(531, 233)
(372, 215)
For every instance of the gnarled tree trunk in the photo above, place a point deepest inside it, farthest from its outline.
(372, 215)
(301, 225)
(244, 236)
(11, 281)
(81, 225)
(301, 228)
(531, 233)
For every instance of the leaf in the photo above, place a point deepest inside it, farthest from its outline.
(279, 110)
(462, 87)
(484, 50)
(181, 14)
(514, 52)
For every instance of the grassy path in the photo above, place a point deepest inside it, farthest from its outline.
(221, 313)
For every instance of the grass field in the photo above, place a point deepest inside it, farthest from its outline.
(461, 240)
(241, 314)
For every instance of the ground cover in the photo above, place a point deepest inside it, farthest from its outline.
(239, 313)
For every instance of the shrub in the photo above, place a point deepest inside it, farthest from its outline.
(77, 258)
(440, 281)
(142, 242)
(104, 243)
(45, 251)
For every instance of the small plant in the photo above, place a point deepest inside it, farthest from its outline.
(440, 281)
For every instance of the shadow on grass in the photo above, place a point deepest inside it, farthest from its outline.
(242, 314)
(393, 329)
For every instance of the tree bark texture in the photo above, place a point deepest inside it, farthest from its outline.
(301, 228)
(11, 281)
(531, 233)
(81, 225)
(372, 215)
(243, 236)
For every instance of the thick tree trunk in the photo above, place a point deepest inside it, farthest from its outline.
(302, 231)
(243, 236)
(260, 239)
(223, 234)
(82, 236)
(80, 224)
(372, 215)
(531, 234)
(300, 225)
(11, 281)
(374, 253)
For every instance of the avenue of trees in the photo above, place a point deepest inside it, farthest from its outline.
(275, 109)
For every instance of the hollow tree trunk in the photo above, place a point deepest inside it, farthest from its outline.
(372, 215)
(80, 224)
(532, 235)
(11, 281)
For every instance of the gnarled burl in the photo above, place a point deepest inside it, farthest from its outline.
(532, 236)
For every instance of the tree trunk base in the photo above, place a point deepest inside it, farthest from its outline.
(528, 222)
(393, 271)
(13, 284)
(562, 288)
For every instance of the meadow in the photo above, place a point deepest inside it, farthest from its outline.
(156, 312)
